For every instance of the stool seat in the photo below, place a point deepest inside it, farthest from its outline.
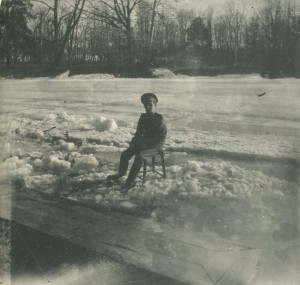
(152, 153)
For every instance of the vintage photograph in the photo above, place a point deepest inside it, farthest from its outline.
(149, 142)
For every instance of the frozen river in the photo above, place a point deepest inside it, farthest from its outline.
(232, 156)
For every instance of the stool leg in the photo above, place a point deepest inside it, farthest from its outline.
(162, 156)
(144, 170)
(153, 163)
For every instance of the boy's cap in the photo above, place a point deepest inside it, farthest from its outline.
(149, 97)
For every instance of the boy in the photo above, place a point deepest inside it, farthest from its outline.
(151, 133)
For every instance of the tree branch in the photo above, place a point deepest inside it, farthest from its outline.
(44, 3)
(121, 17)
(107, 18)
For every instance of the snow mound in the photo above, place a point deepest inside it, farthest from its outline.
(93, 76)
(102, 124)
(63, 75)
(162, 73)
(253, 76)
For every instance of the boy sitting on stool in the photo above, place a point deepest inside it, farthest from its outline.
(151, 133)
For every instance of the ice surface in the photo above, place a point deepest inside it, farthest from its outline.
(65, 137)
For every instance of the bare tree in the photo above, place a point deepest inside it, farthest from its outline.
(154, 13)
(65, 17)
(41, 32)
(184, 18)
(118, 14)
(234, 20)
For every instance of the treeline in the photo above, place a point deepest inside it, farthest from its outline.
(150, 33)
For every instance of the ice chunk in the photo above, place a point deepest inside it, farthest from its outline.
(41, 182)
(35, 134)
(69, 146)
(64, 117)
(98, 198)
(191, 185)
(14, 168)
(83, 162)
(52, 162)
(127, 205)
(102, 124)
(174, 169)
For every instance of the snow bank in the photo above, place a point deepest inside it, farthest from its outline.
(63, 75)
(93, 76)
(165, 73)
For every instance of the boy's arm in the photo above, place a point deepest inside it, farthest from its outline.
(164, 129)
(139, 131)
(162, 135)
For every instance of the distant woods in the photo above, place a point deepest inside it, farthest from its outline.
(151, 33)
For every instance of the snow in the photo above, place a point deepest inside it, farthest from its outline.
(83, 162)
(52, 163)
(14, 168)
(221, 139)
(69, 146)
(44, 182)
(102, 124)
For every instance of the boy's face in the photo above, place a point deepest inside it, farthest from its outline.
(149, 106)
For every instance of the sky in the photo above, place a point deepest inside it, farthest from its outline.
(219, 5)
(247, 6)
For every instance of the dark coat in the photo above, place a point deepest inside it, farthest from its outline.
(151, 132)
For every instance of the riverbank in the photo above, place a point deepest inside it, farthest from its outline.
(115, 70)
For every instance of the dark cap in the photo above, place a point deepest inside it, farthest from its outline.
(149, 97)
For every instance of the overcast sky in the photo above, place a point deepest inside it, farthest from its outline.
(248, 6)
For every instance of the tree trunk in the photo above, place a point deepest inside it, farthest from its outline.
(70, 49)
(56, 36)
(152, 23)
(298, 58)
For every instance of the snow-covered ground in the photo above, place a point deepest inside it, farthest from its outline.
(232, 157)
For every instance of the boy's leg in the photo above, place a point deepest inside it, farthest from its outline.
(123, 166)
(134, 171)
(124, 160)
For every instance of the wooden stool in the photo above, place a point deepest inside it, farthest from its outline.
(152, 153)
